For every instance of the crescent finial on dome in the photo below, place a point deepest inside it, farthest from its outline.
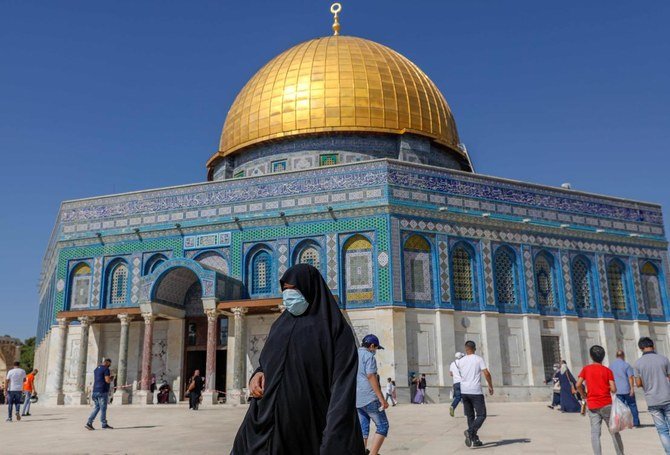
(335, 8)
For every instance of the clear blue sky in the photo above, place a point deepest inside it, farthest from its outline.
(101, 97)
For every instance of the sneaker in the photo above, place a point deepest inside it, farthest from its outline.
(18, 416)
(468, 441)
(451, 411)
(477, 443)
(8, 419)
(89, 426)
(550, 406)
(108, 427)
(27, 414)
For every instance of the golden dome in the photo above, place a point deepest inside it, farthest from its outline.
(337, 84)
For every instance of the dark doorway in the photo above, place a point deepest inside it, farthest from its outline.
(551, 353)
(221, 358)
(195, 360)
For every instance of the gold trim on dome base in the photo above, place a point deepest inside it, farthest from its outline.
(337, 84)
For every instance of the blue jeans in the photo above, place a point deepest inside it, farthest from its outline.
(661, 416)
(457, 395)
(632, 404)
(13, 399)
(100, 403)
(371, 411)
(26, 403)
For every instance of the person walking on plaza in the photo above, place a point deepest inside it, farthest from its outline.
(28, 392)
(102, 378)
(652, 372)
(14, 388)
(195, 387)
(623, 378)
(303, 394)
(455, 373)
(369, 401)
(599, 387)
(390, 391)
(472, 367)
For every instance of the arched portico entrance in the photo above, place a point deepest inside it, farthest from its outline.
(190, 291)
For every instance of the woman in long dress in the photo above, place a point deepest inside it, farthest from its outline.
(569, 402)
(304, 391)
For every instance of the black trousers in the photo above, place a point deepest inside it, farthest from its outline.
(193, 400)
(474, 407)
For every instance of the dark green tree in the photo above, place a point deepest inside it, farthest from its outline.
(28, 354)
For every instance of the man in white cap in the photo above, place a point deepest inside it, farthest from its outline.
(455, 373)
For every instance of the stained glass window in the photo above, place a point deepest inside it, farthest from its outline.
(418, 270)
(544, 281)
(651, 288)
(81, 287)
(310, 255)
(504, 272)
(461, 266)
(261, 279)
(615, 285)
(279, 166)
(118, 289)
(358, 269)
(581, 282)
(328, 159)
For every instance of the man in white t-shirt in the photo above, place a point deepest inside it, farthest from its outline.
(471, 368)
(14, 388)
(455, 373)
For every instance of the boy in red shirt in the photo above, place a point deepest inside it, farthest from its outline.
(599, 387)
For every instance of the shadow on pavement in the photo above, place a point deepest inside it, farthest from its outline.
(136, 427)
(41, 420)
(504, 442)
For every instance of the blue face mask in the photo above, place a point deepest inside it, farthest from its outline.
(294, 302)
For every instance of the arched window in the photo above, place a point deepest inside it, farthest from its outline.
(544, 280)
(117, 294)
(80, 287)
(651, 288)
(153, 262)
(615, 284)
(261, 273)
(581, 282)
(418, 269)
(358, 274)
(309, 254)
(214, 261)
(504, 275)
(462, 267)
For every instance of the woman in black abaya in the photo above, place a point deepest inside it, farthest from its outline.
(304, 391)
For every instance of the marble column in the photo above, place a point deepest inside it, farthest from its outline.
(79, 396)
(144, 394)
(121, 395)
(54, 385)
(236, 394)
(210, 396)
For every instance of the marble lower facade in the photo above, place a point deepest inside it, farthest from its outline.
(519, 350)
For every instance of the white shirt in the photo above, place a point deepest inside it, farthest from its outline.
(389, 388)
(455, 373)
(471, 367)
(16, 376)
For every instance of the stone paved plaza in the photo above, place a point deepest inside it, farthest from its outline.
(512, 428)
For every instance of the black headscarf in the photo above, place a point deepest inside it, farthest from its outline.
(310, 364)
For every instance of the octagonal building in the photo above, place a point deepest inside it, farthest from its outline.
(343, 154)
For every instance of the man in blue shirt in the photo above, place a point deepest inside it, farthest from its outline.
(101, 380)
(370, 402)
(623, 378)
